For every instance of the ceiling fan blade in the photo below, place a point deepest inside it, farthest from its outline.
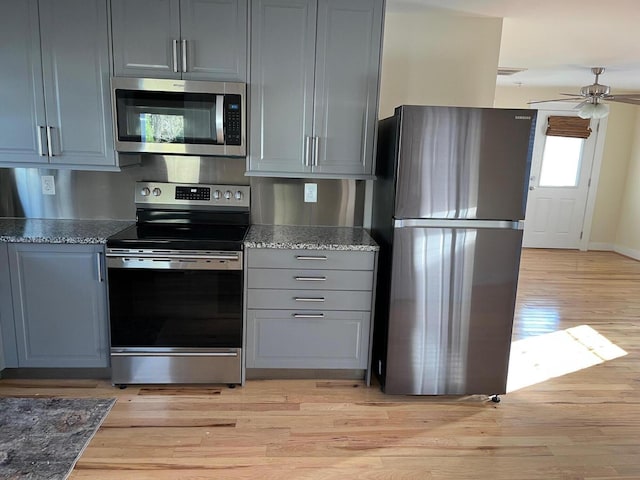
(571, 94)
(632, 101)
(623, 95)
(556, 100)
(632, 94)
(581, 104)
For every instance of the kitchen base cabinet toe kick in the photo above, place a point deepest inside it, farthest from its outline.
(309, 315)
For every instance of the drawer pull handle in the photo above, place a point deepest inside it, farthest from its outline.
(308, 315)
(310, 279)
(309, 299)
(311, 257)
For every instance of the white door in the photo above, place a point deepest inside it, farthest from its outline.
(558, 187)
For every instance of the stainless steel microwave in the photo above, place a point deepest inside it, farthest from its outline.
(179, 117)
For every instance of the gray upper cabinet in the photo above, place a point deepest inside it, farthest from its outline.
(59, 299)
(55, 80)
(22, 94)
(146, 34)
(314, 87)
(188, 39)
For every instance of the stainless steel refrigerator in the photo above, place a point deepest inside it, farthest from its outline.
(448, 210)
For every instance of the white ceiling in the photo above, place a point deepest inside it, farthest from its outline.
(557, 41)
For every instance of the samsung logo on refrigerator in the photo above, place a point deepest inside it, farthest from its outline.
(522, 117)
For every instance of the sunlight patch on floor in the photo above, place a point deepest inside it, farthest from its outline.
(536, 359)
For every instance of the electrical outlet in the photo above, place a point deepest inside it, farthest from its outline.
(48, 184)
(310, 192)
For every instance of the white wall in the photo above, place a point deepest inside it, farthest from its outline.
(435, 58)
(615, 170)
(628, 237)
(430, 57)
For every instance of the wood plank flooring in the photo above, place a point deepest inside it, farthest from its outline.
(580, 425)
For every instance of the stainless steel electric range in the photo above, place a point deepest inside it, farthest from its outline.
(175, 283)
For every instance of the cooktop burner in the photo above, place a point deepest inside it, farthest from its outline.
(187, 217)
(180, 237)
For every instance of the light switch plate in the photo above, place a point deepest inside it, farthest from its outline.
(310, 192)
(48, 184)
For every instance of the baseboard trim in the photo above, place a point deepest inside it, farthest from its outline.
(627, 252)
(601, 246)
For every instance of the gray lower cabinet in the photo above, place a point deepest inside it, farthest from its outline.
(56, 107)
(301, 339)
(59, 306)
(314, 87)
(7, 330)
(309, 309)
(188, 39)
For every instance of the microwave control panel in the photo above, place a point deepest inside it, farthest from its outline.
(233, 119)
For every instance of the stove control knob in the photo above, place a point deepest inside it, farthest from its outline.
(145, 192)
(156, 192)
(217, 194)
(228, 194)
(239, 195)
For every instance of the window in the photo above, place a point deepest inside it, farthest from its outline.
(561, 162)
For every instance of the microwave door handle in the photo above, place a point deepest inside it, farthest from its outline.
(220, 119)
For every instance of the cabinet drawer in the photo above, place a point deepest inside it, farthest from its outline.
(278, 339)
(309, 299)
(310, 259)
(310, 279)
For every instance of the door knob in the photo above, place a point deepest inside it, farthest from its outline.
(532, 188)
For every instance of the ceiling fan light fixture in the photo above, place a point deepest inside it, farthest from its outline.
(587, 110)
(593, 110)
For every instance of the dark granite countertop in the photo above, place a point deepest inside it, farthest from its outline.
(34, 230)
(310, 238)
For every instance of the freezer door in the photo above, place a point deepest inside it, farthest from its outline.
(452, 301)
(459, 162)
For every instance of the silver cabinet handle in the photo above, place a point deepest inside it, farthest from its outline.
(175, 55)
(309, 299)
(307, 151)
(310, 279)
(49, 142)
(99, 262)
(184, 55)
(316, 150)
(311, 257)
(40, 142)
(220, 119)
(308, 315)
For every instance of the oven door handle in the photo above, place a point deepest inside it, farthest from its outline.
(174, 354)
(166, 258)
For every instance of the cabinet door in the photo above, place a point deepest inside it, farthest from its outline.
(215, 32)
(21, 96)
(279, 339)
(144, 32)
(75, 63)
(282, 61)
(59, 298)
(8, 354)
(346, 95)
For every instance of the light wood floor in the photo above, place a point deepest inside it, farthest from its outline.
(582, 425)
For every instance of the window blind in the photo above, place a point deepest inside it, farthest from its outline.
(563, 126)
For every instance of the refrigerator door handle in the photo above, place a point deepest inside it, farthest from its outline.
(456, 223)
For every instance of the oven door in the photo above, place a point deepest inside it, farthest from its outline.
(175, 301)
(179, 117)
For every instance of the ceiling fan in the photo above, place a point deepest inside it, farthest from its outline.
(591, 96)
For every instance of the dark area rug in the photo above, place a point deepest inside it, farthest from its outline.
(42, 438)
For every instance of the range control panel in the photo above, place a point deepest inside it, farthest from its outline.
(186, 195)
